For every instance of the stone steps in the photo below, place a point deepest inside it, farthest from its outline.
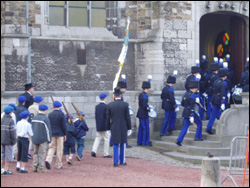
(197, 159)
(191, 150)
(190, 141)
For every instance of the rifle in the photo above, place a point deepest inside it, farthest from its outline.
(78, 112)
(70, 119)
(52, 98)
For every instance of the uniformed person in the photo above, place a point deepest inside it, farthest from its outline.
(195, 70)
(34, 108)
(119, 125)
(29, 91)
(211, 79)
(169, 105)
(244, 82)
(189, 114)
(231, 75)
(203, 85)
(144, 128)
(123, 85)
(218, 99)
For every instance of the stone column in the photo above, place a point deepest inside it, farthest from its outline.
(211, 176)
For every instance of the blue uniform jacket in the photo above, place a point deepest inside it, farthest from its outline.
(81, 128)
(168, 99)
(204, 80)
(219, 91)
(188, 102)
(143, 106)
(100, 117)
(212, 78)
(58, 125)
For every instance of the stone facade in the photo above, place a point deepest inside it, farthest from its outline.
(164, 36)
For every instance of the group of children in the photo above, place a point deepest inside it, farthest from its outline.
(20, 127)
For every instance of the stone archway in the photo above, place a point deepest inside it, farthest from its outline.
(213, 24)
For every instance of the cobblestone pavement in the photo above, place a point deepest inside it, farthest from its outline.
(145, 153)
(146, 168)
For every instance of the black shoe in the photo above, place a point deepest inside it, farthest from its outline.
(209, 132)
(116, 165)
(111, 145)
(124, 164)
(93, 154)
(198, 139)
(24, 172)
(128, 146)
(18, 169)
(47, 165)
(178, 143)
(108, 156)
(139, 144)
(207, 118)
(161, 135)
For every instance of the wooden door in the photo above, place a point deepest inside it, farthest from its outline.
(238, 45)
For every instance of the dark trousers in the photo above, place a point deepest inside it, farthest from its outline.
(23, 149)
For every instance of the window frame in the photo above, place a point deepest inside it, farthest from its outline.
(66, 17)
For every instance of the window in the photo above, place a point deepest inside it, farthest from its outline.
(77, 13)
(81, 57)
(222, 46)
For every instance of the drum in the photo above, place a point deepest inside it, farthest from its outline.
(178, 102)
(131, 111)
(152, 113)
(237, 94)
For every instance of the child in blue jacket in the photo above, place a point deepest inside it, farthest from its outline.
(81, 128)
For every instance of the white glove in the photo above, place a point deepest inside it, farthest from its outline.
(197, 100)
(109, 133)
(229, 95)
(191, 119)
(223, 107)
(177, 109)
(129, 132)
(198, 77)
(205, 95)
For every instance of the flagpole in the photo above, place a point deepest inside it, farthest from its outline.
(122, 56)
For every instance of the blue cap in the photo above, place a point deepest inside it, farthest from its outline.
(8, 109)
(14, 106)
(103, 95)
(66, 116)
(43, 107)
(24, 114)
(22, 99)
(57, 104)
(38, 99)
(82, 113)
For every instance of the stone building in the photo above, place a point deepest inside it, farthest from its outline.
(70, 48)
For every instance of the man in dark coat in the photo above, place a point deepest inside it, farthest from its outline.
(119, 123)
(29, 90)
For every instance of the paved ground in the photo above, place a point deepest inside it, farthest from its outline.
(146, 168)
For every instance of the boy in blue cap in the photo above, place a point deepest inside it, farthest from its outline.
(34, 108)
(24, 131)
(81, 128)
(42, 136)
(8, 139)
(101, 128)
(59, 132)
(21, 99)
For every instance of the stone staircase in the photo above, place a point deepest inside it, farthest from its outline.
(192, 151)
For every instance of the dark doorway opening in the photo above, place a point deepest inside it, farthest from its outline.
(235, 42)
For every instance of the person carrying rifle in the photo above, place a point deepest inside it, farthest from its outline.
(81, 129)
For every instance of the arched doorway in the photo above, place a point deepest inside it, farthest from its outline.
(229, 30)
